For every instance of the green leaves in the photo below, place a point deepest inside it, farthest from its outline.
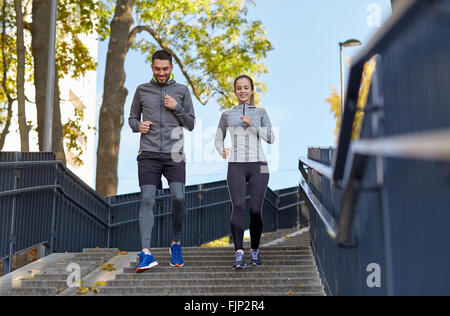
(212, 42)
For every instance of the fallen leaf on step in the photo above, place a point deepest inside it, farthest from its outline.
(130, 278)
(93, 289)
(123, 253)
(271, 270)
(291, 292)
(108, 267)
(82, 290)
(299, 283)
(101, 283)
(62, 261)
(28, 278)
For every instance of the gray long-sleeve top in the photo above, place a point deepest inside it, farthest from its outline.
(166, 133)
(245, 140)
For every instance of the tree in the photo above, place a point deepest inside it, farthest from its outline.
(23, 126)
(72, 57)
(28, 22)
(212, 42)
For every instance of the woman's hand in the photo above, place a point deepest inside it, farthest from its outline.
(226, 153)
(246, 119)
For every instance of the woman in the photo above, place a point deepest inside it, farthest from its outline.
(246, 124)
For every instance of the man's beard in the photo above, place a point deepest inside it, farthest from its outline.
(165, 79)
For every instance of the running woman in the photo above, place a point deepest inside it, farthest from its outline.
(247, 163)
(160, 110)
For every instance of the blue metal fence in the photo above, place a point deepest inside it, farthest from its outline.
(43, 203)
(379, 206)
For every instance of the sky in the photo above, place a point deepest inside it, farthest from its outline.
(303, 67)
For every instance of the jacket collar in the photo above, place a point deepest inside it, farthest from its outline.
(240, 106)
(169, 82)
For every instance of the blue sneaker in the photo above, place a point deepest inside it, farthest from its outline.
(177, 257)
(146, 262)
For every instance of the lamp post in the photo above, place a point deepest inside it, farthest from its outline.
(49, 99)
(348, 43)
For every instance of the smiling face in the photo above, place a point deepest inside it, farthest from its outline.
(162, 70)
(243, 90)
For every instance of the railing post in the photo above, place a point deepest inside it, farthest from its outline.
(12, 237)
(200, 210)
(277, 211)
(53, 227)
(108, 242)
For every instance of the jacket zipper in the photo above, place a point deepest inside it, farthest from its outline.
(161, 117)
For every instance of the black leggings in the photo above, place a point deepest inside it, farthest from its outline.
(257, 176)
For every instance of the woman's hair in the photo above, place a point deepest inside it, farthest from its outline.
(252, 98)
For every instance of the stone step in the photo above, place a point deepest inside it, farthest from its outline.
(223, 268)
(209, 290)
(246, 273)
(229, 263)
(200, 258)
(101, 251)
(45, 283)
(264, 280)
(63, 270)
(37, 291)
(276, 248)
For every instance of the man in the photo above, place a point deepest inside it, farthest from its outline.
(159, 110)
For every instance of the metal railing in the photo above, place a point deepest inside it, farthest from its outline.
(379, 205)
(44, 203)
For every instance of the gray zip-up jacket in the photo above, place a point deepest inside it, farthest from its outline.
(166, 133)
(245, 140)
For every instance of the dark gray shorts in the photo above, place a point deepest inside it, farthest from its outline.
(153, 165)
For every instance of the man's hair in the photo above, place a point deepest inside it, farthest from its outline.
(162, 55)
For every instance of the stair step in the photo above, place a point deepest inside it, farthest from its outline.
(247, 273)
(212, 282)
(208, 290)
(37, 291)
(223, 268)
(202, 259)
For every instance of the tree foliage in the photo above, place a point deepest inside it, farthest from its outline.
(335, 101)
(212, 42)
(75, 19)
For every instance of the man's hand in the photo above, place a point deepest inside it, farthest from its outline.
(144, 127)
(170, 102)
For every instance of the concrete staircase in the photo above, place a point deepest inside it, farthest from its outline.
(49, 275)
(288, 269)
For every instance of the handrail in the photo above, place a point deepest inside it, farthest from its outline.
(321, 168)
(429, 145)
(426, 145)
(63, 168)
(327, 219)
(378, 41)
(29, 189)
(62, 192)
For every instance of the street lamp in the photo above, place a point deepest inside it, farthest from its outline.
(49, 99)
(348, 43)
